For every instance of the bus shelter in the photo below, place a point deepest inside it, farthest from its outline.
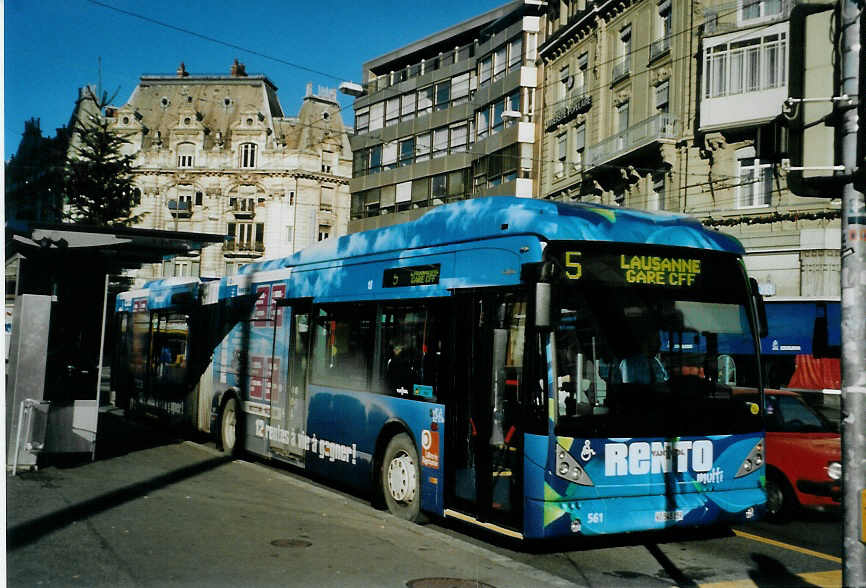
(59, 282)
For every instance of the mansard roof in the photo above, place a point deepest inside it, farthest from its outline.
(228, 109)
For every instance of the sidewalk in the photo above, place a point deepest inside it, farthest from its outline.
(154, 511)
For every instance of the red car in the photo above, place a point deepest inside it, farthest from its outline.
(804, 457)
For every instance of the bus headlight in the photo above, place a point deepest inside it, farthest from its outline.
(567, 468)
(834, 470)
(753, 461)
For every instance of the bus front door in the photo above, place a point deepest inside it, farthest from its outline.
(484, 412)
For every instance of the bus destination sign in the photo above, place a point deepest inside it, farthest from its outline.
(651, 270)
(416, 275)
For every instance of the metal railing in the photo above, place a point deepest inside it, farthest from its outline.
(620, 70)
(244, 246)
(660, 126)
(659, 47)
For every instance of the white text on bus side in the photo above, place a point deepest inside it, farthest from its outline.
(641, 457)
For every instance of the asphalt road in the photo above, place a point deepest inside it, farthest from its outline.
(155, 511)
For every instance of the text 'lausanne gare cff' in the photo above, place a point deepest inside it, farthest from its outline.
(539, 369)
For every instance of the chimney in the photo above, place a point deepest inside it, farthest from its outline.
(239, 70)
(181, 70)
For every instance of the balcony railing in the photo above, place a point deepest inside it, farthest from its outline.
(248, 247)
(660, 47)
(620, 70)
(181, 208)
(660, 126)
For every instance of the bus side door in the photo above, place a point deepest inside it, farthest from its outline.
(288, 367)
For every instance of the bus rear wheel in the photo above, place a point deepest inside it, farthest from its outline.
(401, 477)
(229, 426)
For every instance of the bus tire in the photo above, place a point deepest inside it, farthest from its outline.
(400, 478)
(229, 429)
(781, 501)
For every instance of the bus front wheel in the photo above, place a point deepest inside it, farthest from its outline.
(229, 426)
(401, 477)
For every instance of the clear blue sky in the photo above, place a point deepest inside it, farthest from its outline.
(53, 47)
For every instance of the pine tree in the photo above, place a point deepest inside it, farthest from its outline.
(98, 179)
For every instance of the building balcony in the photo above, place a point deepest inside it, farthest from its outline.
(182, 209)
(245, 248)
(620, 71)
(659, 47)
(660, 126)
(243, 210)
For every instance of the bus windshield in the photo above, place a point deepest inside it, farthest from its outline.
(649, 352)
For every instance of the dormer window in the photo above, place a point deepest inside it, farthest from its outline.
(185, 155)
(248, 155)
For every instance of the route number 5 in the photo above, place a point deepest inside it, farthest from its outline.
(573, 268)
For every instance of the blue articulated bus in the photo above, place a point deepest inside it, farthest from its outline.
(536, 368)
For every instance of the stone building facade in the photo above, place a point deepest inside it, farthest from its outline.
(678, 107)
(217, 154)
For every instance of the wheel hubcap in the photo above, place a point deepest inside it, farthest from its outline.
(229, 428)
(401, 478)
(774, 499)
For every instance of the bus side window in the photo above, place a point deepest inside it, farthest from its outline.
(343, 346)
(411, 358)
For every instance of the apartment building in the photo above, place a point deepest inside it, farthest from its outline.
(449, 117)
(681, 107)
(217, 154)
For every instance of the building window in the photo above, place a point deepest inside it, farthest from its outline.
(377, 116)
(185, 154)
(756, 183)
(199, 198)
(460, 89)
(407, 106)
(443, 95)
(327, 161)
(404, 195)
(440, 142)
(579, 146)
(485, 70)
(498, 109)
(619, 197)
(375, 159)
(246, 236)
(561, 155)
(622, 117)
(748, 65)
(482, 123)
(458, 138)
(243, 204)
(622, 63)
(392, 111)
(324, 232)
(662, 42)
(407, 151)
(362, 120)
(760, 9)
(499, 62)
(425, 100)
(662, 96)
(439, 188)
(564, 83)
(389, 155)
(515, 53)
(248, 155)
(422, 147)
(580, 74)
